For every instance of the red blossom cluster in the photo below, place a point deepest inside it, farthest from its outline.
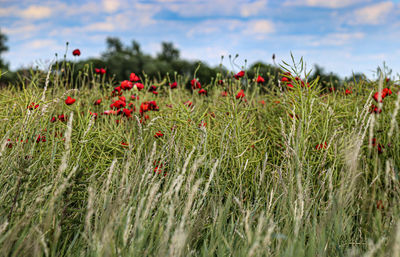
(101, 71)
(321, 146)
(60, 117)
(379, 96)
(32, 106)
(378, 146)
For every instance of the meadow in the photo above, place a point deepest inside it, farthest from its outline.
(234, 166)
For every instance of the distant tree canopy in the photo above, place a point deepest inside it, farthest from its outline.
(120, 61)
(326, 79)
(3, 48)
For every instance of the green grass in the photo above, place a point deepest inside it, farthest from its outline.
(249, 183)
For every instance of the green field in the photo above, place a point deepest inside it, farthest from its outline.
(273, 170)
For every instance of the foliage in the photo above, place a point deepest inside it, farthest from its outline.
(274, 171)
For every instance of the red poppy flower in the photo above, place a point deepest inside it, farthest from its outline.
(260, 79)
(152, 88)
(127, 112)
(126, 85)
(321, 146)
(202, 92)
(220, 82)
(53, 119)
(157, 169)
(348, 92)
(290, 86)
(158, 134)
(173, 85)
(332, 89)
(9, 145)
(76, 52)
(32, 106)
(155, 93)
(203, 124)
(134, 97)
(285, 79)
(117, 89)
(122, 98)
(262, 102)
(101, 71)
(133, 77)
(139, 86)
(239, 75)
(62, 118)
(224, 93)
(379, 96)
(374, 109)
(69, 101)
(379, 205)
(40, 138)
(188, 103)
(124, 143)
(144, 107)
(387, 91)
(195, 84)
(240, 94)
(380, 148)
(93, 114)
(118, 104)
(152, 105)
(97, 102)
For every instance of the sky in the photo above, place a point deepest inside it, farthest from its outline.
(343, 36)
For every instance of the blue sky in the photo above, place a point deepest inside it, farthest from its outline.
(343, 36)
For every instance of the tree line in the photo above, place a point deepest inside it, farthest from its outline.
(120, 60)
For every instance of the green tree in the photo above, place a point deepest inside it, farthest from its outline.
(114, 45)
(3, 48)
(327, 80)
(168, 53)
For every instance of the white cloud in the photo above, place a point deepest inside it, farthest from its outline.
(336, 39)
(111, 5)
(36, 12)
(212, 54)
(33, 12)
(21, 30)
(373, 14)
(41, 44)
(100, 27)
(214, 26)
(255, 8)
(324, 3)
(8, 11)
(259, 28)
(221, 8)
